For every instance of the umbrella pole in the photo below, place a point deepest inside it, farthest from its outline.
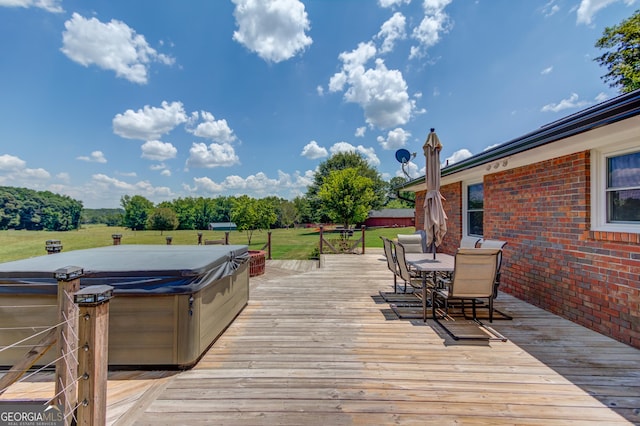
(433, 243)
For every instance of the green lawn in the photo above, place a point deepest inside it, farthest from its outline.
(285, 243)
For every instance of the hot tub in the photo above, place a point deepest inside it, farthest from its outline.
(170, 302)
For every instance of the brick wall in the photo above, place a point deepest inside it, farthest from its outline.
(552, 259)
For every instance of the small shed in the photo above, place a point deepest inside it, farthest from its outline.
(222, 226)
(390, 218)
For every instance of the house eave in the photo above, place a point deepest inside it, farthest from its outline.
(603, 114)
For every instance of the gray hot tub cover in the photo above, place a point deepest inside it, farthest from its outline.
(130, 269)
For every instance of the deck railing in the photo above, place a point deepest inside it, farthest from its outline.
(342, 244)
(80, 338)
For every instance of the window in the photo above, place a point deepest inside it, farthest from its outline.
(475, 209)
(623, 188)
(615, 189)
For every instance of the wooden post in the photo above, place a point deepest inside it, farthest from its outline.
(53, 246)
(226, 238)
(269, 245)
(199, 238)
(169, 239)
(321, 228)
(66, 369)
(363, 244)
(116, 239)
(93, 342)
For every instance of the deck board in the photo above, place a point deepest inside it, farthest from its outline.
(318, 346)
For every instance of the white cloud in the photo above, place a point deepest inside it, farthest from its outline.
(360, 131)
(16, 173)
(601, 97)
(149, 123)
(396, 138)
(393, 29)
(275, 29)
(546, 70)
(258, 185)
(392, 3)
(111, 46)
(11, 163)
(53, 6)
(382, 93)
(95, 157)
(210, 128)
(435, 22)
(101, 182)
(320, 90)
(159, 151)
(166, 172)
(550, 9)
(214, 155)
(313, 151)
(457, 156)
(369, 154)
(588, 9)
(570, 102)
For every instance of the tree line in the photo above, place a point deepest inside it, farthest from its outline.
(22, 208)
(344, 190)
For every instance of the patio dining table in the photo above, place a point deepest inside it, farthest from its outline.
(427, 266)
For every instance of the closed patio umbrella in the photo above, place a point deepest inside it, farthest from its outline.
(435, 219)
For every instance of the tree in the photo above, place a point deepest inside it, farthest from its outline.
(136, 211)
(622, 55)
(162, 219)
(303, 210)
(400, 200)
(250, 214)
(287, 213)
(347, 196)
(341, 161)
(22, 208)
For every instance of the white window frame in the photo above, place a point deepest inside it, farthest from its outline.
(465, 204)
(599, 191)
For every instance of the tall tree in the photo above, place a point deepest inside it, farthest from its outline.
(622, 55)
(347, 196)
(250, 214)
(136, 211)
(341, 161)
(162, 219)
(399, 200)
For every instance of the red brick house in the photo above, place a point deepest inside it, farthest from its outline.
(566, 198)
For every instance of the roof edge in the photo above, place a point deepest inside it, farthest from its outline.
(607, 112)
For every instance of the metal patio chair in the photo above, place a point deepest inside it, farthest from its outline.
(473, 278)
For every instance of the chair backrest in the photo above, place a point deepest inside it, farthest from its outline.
(403, 268)
(475, 272)
(423, 236)
(469, 242)
(389, 254)
(412, 242)
(494, 244)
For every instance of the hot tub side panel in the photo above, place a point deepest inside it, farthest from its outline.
(144, 330)
(214, 309)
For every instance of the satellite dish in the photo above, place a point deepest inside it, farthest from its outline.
(403, 156)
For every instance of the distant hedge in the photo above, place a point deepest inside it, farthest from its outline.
(22, 208)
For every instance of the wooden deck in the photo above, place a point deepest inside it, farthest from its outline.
(321, 347)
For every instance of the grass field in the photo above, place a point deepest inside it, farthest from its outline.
(285, 243)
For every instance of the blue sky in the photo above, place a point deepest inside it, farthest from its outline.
(168, 99)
